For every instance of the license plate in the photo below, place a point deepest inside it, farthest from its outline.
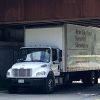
(21, 81)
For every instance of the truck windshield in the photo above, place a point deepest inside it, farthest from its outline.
(35, 55)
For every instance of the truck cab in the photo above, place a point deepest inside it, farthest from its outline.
(37, 66)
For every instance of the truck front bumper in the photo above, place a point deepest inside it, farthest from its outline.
(26, 82)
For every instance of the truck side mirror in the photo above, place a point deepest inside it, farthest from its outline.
(60, 55)
(60, 59)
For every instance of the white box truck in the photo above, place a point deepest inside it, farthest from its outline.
(56, 55)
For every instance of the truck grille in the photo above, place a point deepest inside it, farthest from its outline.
(22, 72)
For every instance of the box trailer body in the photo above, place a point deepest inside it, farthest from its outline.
(71, 53)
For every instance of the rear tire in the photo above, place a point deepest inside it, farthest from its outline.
(90, 79)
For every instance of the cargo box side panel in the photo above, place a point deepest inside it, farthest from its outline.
(81, 48)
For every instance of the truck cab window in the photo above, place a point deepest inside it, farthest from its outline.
(54, 54)
(35, 55)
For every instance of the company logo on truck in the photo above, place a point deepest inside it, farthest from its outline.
(81, 37)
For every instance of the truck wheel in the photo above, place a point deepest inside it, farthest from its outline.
(13, 90)
(90, 79)
(49, 87)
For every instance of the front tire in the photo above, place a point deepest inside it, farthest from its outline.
(13, 90)
(49, 85)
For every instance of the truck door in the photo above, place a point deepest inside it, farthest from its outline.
(55, 64)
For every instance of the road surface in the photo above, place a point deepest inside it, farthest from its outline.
(71, 92)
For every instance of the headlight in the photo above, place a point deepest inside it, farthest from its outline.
(44, 65)
(40, 73)
(8, 73)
